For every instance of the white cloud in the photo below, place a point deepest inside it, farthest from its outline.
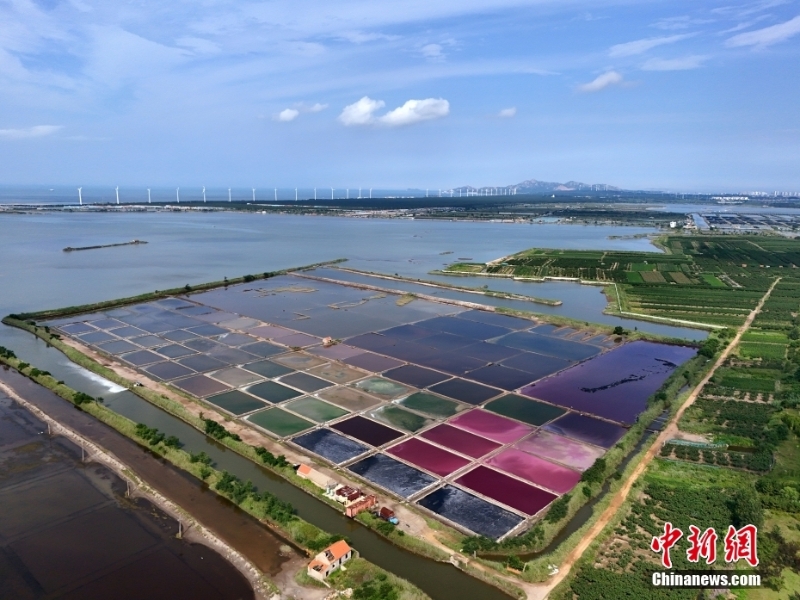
(361, 112)
(507, 113)
(761, 38)
(287, 114)
(413, 111)
(316, 107)
(359, 37)
(433, 52)
(601, 82)
(29, 132)
(674, 64)
(640, 46)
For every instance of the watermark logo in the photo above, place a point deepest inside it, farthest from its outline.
(740, 544)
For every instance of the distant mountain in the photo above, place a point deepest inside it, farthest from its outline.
(534, 186)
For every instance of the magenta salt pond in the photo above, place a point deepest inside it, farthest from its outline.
(491, 426)
(561, 449)
(615, 385)
(536, 470)
(428, 457)
(511, 492)
(460, 440)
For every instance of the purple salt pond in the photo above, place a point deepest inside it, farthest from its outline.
(459, 440)
(429, 457)
(536, 470)
(561, 449)
(586, 429)
(492, 426)
(337, 351)
(615, 385)
(511, 492)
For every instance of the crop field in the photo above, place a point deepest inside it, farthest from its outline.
(761, 350)
(707, 279)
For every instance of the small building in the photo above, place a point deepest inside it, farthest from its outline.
(330, 559)
(319, 479)
(361, 504)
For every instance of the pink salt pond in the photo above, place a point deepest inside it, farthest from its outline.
(429, 457)
(492, 426)
(536, 470)
(460, 440)
(561, 449)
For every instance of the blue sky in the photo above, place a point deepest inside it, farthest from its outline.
(421, 93)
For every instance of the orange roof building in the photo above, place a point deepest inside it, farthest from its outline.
(330, 559)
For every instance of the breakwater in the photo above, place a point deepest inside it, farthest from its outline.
(131, 243)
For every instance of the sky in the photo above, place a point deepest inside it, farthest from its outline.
(671, 95)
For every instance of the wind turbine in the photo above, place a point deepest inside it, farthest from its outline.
(295, 194)
(359, 193)
(370, 193)
(276, 194)
(80, 197)
(178, 194)
(315, 193)
(117, 190)
(331, 193)
(348, 194)
(254, 194)
(229, 194)
(204, 194)
(148, 195)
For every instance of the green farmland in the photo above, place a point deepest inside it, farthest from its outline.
(706, 279)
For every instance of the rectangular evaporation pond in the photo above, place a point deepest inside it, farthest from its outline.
(416, 376)
(446, 342)
(314, 409)
(235, 339)
(367, 431)
(536, 470)
(272, 392)
(493, 318)
(541, 344)
(118, 347)
(201, 386)
(454, 363)
(231, 356)
(336, 352)
(142, 357)
(489, 352)
(538, 365)
(127, 331)
(617, 384)
(465, 391)
(175, 351)
(337, 373)
(241, 323)
(371, 341)
(383, 388)
(393, 475)
(465, 328)
(300, 340)
(372, 362)
(268, 369)
(500, 376)
(586, 429)
(332, 446)
(76, 328)
(263, 349)
(96, 337)
(431, 405)
(349, 398)
(429, 457)
(236, 402)
(269, 331)
(470, 512)
(305, 382)
(208, 330)
(235, 377)
(168, 370)
(511, 492)
(460, 440)
(491, 426)
(204, 345)
(195, 310)
(148, 341)
(179, 335)
(403, 419)
(561, 449)
(299, 361)
(201, 362)
(409, 351)
(407, 333)
(279, 422)
(174, 303)
(524, 409)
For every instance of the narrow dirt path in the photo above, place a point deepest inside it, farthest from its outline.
(668, 433)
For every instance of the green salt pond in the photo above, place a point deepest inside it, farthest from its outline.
(279, 422)
(383, 388)
(397, 417)
(316, 410)
(236, 402)
(524, 409)
(431, 404)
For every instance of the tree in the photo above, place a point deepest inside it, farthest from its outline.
(746, 508)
